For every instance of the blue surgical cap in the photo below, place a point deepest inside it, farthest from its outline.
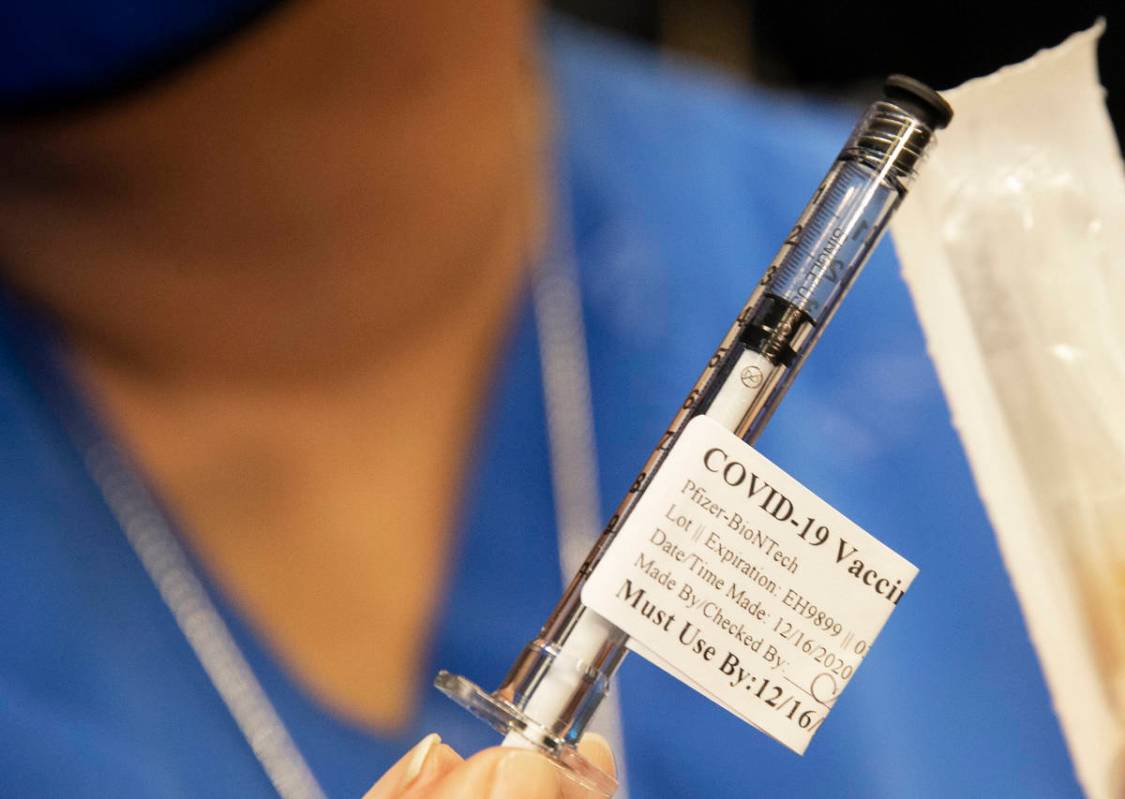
(57, 54)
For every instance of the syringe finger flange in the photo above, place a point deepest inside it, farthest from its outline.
(522, 731)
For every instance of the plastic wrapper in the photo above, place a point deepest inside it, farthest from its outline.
(1013, 245)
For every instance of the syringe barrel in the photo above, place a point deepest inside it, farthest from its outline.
(816, 266)
(561, 677)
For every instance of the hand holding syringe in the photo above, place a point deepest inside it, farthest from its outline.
(559, 680)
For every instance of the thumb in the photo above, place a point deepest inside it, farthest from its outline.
(596, 749)
(427, 762)
(501, 773)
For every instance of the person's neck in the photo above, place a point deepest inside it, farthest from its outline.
(286, 288)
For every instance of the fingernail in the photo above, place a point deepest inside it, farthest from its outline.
(525, 775)
(418, 757)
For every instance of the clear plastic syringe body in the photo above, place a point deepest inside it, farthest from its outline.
(560, 678)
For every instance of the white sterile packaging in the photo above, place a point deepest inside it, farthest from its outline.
(1013, 245)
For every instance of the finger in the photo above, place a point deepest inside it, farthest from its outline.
(597, 750)
(423, 760)
(442, 760)
(501, 773)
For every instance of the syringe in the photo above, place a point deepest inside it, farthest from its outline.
(561, 677)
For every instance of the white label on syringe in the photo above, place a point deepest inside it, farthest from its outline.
(734, 577)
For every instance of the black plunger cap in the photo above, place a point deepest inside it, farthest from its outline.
(919, 99)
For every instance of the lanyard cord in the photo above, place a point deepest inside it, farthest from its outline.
(565, 372)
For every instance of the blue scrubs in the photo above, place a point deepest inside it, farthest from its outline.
(679, 188)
